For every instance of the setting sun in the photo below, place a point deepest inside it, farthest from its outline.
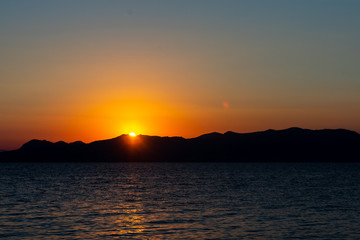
(132, 134)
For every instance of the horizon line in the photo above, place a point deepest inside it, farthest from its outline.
(214, 132)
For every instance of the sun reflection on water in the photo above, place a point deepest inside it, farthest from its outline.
(124, 217)
(175, 201)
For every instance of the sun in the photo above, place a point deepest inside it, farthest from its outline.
(132, 134)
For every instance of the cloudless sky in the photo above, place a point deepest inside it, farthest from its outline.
(89, 70)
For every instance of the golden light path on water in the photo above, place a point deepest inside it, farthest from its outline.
(179, 201)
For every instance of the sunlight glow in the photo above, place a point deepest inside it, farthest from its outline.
(132, 134)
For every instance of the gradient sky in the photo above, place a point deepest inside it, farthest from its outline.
(89, 70)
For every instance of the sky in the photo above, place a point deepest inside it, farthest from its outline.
(90, 70)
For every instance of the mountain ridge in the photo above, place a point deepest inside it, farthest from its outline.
(287, 145)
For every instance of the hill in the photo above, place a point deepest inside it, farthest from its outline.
(288, 145)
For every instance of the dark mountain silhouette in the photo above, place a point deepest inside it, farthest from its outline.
(289, 145)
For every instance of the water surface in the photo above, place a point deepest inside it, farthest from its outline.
(179, 200)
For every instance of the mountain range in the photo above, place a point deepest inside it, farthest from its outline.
(288, 145)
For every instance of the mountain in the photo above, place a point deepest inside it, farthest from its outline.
(288, 145)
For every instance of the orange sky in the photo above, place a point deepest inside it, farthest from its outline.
(181, 68)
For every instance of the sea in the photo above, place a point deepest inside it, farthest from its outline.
(179, 200)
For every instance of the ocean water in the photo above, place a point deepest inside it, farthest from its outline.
(179, 201)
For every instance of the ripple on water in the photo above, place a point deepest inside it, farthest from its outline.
(179, 201)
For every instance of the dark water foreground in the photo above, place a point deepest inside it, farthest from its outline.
(180, 200)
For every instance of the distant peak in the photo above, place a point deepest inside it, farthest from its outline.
(270, 130)
(210, 134)
(35, 143)
(230, 133)
(294, 129)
